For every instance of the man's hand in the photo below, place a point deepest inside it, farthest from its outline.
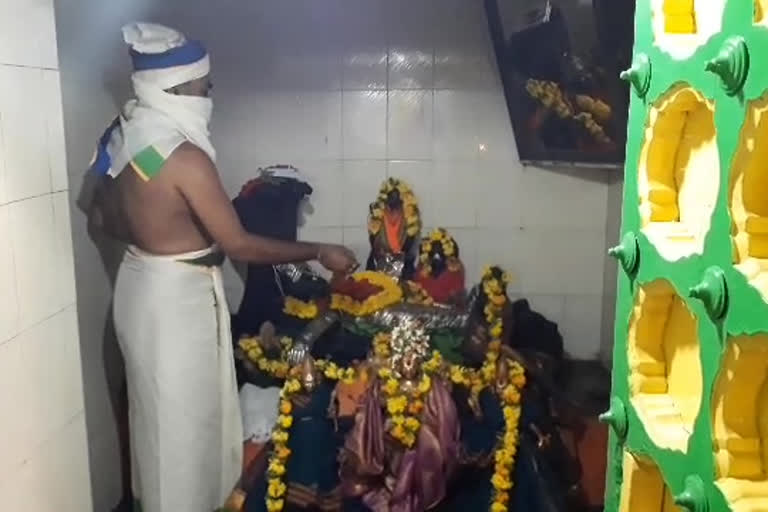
(337, 259)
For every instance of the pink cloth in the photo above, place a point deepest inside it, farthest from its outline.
(392, 478)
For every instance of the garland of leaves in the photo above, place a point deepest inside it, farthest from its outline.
(410, 208)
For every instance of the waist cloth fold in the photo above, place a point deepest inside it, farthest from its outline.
(172, 324)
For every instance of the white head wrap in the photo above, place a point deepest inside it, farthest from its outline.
(163, 58)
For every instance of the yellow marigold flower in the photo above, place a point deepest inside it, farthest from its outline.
(504, 457)
(511, 395)
(501, 483)
(425, 384)
(385, 373)
(503, 472)
(285, 421)
(412, 424)
(276, 488)
(398, 432)
(518, 380)
(391, 387)
(497, 506)
(275, 505)
(396, 405)
(293, 385)
(280, 436)
(282, 452)
(398, 420)
(496, 330)
(276, 468)
(416, 407)
(409, 440)
(285, 407)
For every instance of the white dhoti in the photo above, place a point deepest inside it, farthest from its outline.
(173, 327)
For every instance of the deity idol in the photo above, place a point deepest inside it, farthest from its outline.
(440, 271)
(394, 224)
(309, 469)
(404, 446)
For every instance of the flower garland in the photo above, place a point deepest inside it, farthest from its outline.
(494, 283)
(410, 208)
(390, 293)
(274, 367)
(504, 457)
(440, 237)
(276, 468)
(276, 487)
(405, 407)
(299, 309)
(279, 369)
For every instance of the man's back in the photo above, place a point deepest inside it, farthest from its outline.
(158, 218)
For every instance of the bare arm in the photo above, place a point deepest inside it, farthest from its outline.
(198, 181)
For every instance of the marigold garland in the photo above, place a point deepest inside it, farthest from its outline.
(276, 487)
(299, 309)
(279, 369)
(504, 457)
(494, 284)
(276, 469)
(404, 408)
(390, 293)
(410, 208)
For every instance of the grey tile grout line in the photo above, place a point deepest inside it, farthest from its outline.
(39, 322)
(36, 196)
(27, 66)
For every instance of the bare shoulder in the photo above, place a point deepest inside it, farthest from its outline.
(191, 162)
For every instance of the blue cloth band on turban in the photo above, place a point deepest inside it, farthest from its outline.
(189, 53)
(102, 162)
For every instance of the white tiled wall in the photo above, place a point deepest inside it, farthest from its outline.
(354, 91)
(350, 91)
(43, 450)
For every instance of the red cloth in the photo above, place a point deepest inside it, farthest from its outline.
(357, 290)
(444, 287)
